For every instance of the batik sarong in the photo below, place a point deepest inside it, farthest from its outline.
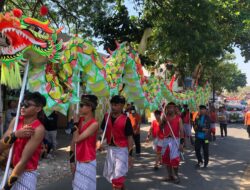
(187, 130)
(116, 165)
(85, 176)
(27, 181)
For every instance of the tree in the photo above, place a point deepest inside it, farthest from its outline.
(241, 93)
(77, 16)
(107, 20)
(186, 32)
(193, 32)
(237, 79)
(118, 26)
(225, 75)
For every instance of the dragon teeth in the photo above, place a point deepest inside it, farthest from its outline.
(20, 33)
(12, 50)
(8, 30)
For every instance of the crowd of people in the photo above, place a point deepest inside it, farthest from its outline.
(171, 132)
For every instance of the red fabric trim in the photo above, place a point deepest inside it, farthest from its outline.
(166, 159)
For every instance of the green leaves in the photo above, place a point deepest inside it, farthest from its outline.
(193, 32)
(224, 75)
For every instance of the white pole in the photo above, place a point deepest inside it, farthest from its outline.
(16, 123)
(106, 124)
(78, 93)
(78, 104)
(170, 127)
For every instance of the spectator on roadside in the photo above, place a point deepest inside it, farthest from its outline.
(46, 147)
(51, 129)
(212, 116)
(247, 121)
(222, 118)
(10, 113)
(178, 110)
(135, 119)
(128, 109)
(186, 118)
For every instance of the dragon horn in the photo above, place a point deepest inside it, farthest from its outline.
(117, 44)
(105, 60)
(59, 30)
(110, 52)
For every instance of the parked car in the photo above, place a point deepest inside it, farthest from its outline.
(235, 113)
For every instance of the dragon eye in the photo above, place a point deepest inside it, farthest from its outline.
(36, 29)
(40, 31)
(32, 28)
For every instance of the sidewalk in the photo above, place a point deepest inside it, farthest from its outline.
(55, 168)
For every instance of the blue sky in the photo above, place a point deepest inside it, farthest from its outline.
(244, 67)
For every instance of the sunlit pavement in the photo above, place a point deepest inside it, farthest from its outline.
(229, 159)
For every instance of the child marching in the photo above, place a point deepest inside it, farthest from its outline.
(119, 136)
(157, 136)
(84, 143)
(173, 141)
(27, 142)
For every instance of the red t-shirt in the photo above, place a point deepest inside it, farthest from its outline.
(156, 131)
(212, 116)
(86, 149)
(20, 144)
(175, 126)
(155, 128)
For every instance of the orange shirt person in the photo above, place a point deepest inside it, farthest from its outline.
(247, 121)
(136, 122)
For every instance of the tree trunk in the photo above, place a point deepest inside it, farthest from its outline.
(2, 5)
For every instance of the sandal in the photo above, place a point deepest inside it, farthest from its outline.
(156, 167)
(168, 179)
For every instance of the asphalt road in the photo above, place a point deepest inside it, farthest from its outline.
(229, 159)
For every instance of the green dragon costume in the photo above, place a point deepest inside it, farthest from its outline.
(56, 68)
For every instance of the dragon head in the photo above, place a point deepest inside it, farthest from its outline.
(19, 35)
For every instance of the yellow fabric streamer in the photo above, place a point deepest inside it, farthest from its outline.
(17, 75)
(10, 75)
(4, 74)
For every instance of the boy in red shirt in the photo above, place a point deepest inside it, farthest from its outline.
(27, 141)
(212, 116)
(157, 136)
(119, 137)
(173, 141)
(186, 118)
(83, 147)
